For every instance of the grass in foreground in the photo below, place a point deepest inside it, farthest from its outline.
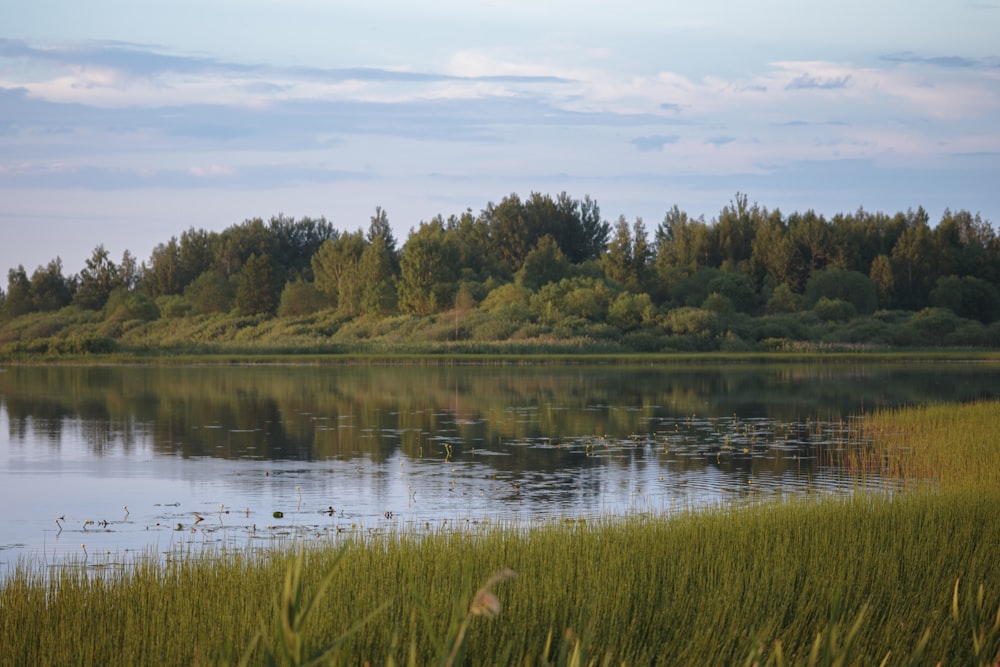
(908, 580)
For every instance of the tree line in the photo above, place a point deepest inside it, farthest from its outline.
(546, 259)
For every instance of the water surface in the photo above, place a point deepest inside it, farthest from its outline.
(133, 459)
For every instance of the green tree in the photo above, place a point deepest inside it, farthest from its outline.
(593, 235)
(914, 262)
(967, 246)
(850, 286)
(294, 242)
(162, 276)
(812, 247)
(882, 278)
(510, 237)
(336, 267)
(98, 279)
(211, 292)
(258, 287)
(49, 288)
(18, 300)
(380, 234)
(197, 255)
(545, 263)
(735, 230)
(378, 267)
(968, 297)
(683, 246)
(773, 254)
(428, 270)
(628, 260)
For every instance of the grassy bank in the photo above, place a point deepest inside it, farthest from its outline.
(870, 576)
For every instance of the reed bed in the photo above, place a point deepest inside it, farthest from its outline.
(890, 578)
(707, 588)
(945, 444)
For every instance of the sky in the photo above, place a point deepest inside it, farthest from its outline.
(124, 124)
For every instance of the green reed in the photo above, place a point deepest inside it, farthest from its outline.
(706, 588)
(946, 444)
(890, 578)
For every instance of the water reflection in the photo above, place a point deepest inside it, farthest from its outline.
(336, 449)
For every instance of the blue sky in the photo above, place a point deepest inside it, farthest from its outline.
(126, 123)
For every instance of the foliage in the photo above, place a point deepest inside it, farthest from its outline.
(834, 310)
(968, 297)
(841, 284)
(300, 298)
(783, 300)
(126, 305)
(806, 582)
(542, 259)
(210, 292)
(545, 263)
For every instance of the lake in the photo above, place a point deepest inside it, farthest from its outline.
(130, 459)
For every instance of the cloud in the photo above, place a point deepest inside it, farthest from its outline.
(250, 176)
(654, 142)
(806, 81)
(719, 141)
(951, 61)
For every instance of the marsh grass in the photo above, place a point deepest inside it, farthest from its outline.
(944, 445)
(871, 578)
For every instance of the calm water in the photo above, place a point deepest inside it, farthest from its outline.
(135, 459)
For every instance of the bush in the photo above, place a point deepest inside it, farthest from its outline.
(301, 298)
(834, 310)
(689, 321)
(643, 341)
(123, 306)
(852, 287)
(491, 328)
(968, 297)
(628, 311)
(211, 292)
(934, 324)
(738, 288)
(173, 306)
(783, 300)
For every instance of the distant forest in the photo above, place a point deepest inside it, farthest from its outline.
(535, 269)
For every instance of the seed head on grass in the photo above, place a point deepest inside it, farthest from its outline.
(484, 604)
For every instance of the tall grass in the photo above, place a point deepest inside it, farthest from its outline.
(947, 445)
(709, 588)
(908, 579)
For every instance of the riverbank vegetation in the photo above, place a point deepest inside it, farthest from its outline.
(542, 274)
(898, 578)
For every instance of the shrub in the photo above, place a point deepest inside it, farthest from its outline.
(643, 341)
(783, 300)
(628, 311)
(301, 298)
(934, 324)
(737, 287)
(689, 321)
(211, 292)
(852, 287)
(968, 297)
(834, 310)
(173, 306)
